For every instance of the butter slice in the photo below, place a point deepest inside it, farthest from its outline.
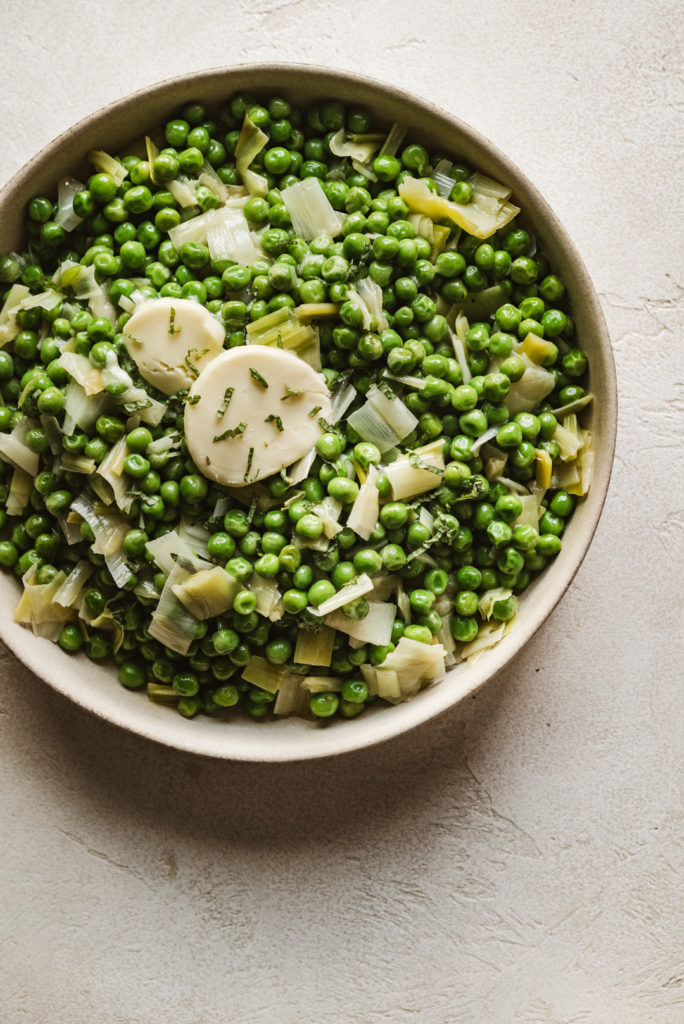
(172, 341)
(271, 415)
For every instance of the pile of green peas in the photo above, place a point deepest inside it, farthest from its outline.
(474, 546)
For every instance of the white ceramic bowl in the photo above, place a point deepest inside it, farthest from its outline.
(97, 688)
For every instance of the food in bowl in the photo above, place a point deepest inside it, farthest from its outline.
(292, 411)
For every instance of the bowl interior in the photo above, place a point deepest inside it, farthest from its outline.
(96, 688)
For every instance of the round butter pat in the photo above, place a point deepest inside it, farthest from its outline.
(252, 411)
(172, 341)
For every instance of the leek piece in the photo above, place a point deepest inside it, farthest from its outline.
(8, 313)
(370, 294)
(360, 148)
(75, 463)
(136, 400)
(394, 139)
(417, 472)
(479, 306)
(269, 598)
(566, 477)
(375, 628)
(531, 390)
(387, 685)
(281, 329)
(576, 406)
(489, 636)
(251, 141)
(407, 380)
(382, 421)
(37, 607)
(399, 418)
(543, 468)
(119, 568)
(291, 698)
(328, 511)
(19, 492)
(404, 604)
(445, 638)
(513, 485)
(314, 648)
(311, 352)
(53, 432)
(422, 226)
(161, 694)
(440, 176)
(45, 300)
(82, 371)
(483, 438)
(81, 410)
(146, 589)
(440, 234)
(14, 450)
(111, 470)
(322, 684)
(536, 349)
(310, 209)
(568, 438)
(357, 588)
(229, 237)
(166, 549)
(415, 664)
(364, 512)
(210, 179)
(261, 672)
(485, 186)
(529, 515)
(489, 599)
(300, 470)
(152, 154)
(106, 621)
(207, 592)
(342, 399)
(384, 585)
(459, 346)
(172, 624)
(193, 230)
(316, 311)
(71, 531)
(494, 460)
(64, 215)
(166, 443)
(109, 527)
(182, 191)
(107, 164)
(481, 217)
(585, 466)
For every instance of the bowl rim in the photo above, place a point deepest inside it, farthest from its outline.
(281, 742)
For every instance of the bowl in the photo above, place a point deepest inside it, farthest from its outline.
(96, 688)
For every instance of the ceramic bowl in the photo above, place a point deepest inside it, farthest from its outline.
(96, 688)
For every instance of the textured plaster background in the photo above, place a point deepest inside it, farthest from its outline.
(520, 860)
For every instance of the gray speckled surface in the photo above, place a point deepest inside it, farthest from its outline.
(519, 860)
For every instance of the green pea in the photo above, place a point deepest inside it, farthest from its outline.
(464, 629)
(343, 489)
(324, 705)
(71, 639)
(309, 526)
(320, 592)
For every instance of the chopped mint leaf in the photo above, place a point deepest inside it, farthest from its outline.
(233, 432)
(226, 402)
